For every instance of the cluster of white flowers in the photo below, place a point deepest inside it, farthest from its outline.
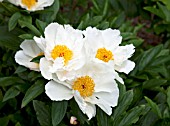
(79, 64)
(32, 5)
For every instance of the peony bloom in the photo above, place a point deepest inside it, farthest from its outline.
(102, 46)
(1, 0)
(63, 50)
(29, 51)
(32, 5)
(91, 87)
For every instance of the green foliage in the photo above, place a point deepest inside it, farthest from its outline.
(144, 99)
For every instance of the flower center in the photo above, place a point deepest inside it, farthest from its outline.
(104, 55)
(29, 3)
(62, 51)
(85, 86)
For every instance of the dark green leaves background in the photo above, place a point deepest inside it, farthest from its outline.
(144, 99)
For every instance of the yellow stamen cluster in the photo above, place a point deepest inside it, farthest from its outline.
(104, 55)
(62, 51)
(29, 3)
(84, 85)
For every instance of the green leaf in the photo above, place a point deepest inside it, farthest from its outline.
(20, 69)
(167, 3)
(13, 21)
(123, 104)
(132, 116)
(168, 96)
(26, 36)
(155, 11)
(103, 25)
(4, 121)
(7, 81)
(37, 59)
(120, 20)
(42, 112)
(165, 11)
(136, 42)
(31, 27)
(148, 56)
(50, 16)
(153, 83)
(34, 91)
(17, 124)
(58, 111)
(102, 118)
(41, 25)
(10, 39)
(160, 60)
(11, 93)
(105, 10)
(154, 107)
(25, 18)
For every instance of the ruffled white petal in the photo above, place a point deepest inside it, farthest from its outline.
(75, 64)
(40, 42)
(51, 32)
(122, 53)
(87, 108)
(30, 48)
(58, 64)
(101, 103)
(104, 82)
(112, 38)
(93, 40)
(66, 75)
(109, 98)
(45, 68)
(126, 67)
(22, 59)
(57, 92)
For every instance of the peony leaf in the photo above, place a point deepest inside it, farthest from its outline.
(58, 111)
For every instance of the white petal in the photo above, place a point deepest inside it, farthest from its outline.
(93, 39)
(44, 68)
(111, 37)
(118, 78)
(103, 104)
(51, 32)
(126, 67)
(57, 92)
(66, 75)
(24, 60)
(75, 64)
(105, 107)
(30, 48)
(40, 42)
(57, 65)
(87, 108)
(109, 98)
(122, 53)
(104, 82)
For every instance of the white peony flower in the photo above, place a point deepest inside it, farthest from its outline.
(102, 46)
(32, 5)
(63, 50)
(29, 51)
(91, 87)
(1, 0)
